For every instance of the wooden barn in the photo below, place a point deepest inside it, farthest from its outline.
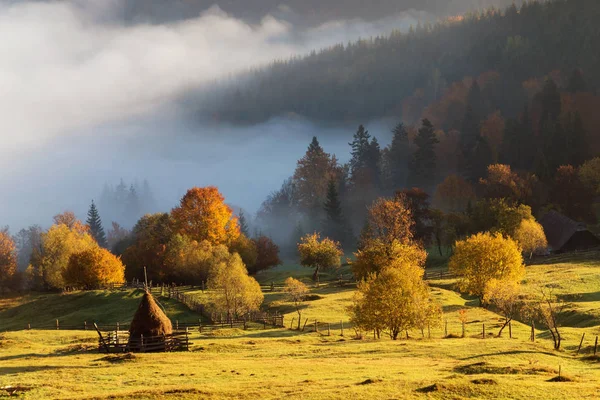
(565, 235)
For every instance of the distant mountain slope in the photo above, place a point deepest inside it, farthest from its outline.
(375, 78)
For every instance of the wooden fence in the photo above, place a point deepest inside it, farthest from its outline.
(440, 274)
(121, 342)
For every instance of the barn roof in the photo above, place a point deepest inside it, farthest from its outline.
(559, 228)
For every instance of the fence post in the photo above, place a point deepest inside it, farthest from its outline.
(510, 329)
(292, 323)
(342, 323)
(57, 326)
(29, 328)
(328, 329)
(117, 334)
(316, 326)
(532, 331)
(187, 341)
(483, 332)
(142, 343)
(596, 345)
(85, 325)
(446, 328)
(581, 343)
(463, 328)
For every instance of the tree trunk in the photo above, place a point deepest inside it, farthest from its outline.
(504, 326)
(299, 318)
(315, 276)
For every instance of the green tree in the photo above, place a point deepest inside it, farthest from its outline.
(423, 165)
(95, 224)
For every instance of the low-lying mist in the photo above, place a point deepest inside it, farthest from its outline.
(87, 100)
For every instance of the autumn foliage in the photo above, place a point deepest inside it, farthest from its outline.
(319, 253)
(484, 257)
(93, 269)
(203, 215)
(8, 259)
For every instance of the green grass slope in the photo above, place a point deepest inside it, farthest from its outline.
(72, 309)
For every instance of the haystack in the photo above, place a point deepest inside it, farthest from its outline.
(150, 321)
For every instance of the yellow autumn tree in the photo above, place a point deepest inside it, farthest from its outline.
(93, 268)
(394, 301)
(203, 215)
(483, 257)
(377, 256)
(319, 253)
(390, 220)
(505, 296)
(234, 292)
(531, 237)
(589, 173)
(69, 219)
(296, 292)
(58, 244)
(8, 259)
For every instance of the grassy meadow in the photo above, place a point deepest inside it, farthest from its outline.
(278, 363)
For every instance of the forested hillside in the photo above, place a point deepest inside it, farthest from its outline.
(509, 52)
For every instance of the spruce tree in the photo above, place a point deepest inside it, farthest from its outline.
(365, 164)
(423, 166)
(361, 147)
(95, 224)
(243, 224)
(398, 158)
(334, 225)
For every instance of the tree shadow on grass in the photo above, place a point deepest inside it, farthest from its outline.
(38, 368)
(512, 352)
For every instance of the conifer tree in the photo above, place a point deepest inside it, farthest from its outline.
(422, 169)
(334, 225)
(243, 224)
(397, 158)
(311, 177)
(95, 224)
(366, 159)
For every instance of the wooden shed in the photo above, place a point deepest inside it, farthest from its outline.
(565, 235)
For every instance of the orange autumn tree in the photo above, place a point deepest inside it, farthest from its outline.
(69, 219)
(8, 258)
(203, 215)
(94, 268)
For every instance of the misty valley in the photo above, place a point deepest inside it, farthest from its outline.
(300, 199)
